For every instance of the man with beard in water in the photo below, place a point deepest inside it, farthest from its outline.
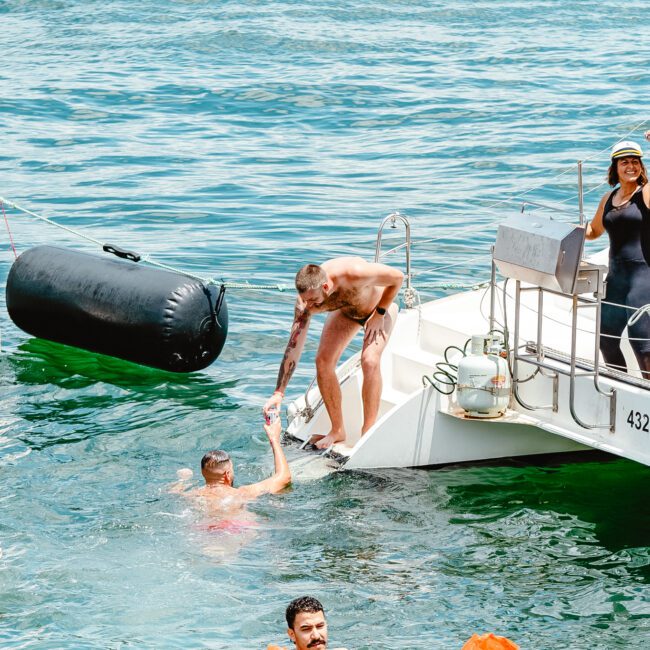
(307, 626)
(357, 294)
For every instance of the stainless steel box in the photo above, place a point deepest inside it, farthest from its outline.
(591, 279)
(540, 251)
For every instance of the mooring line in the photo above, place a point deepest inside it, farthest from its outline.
(281, 287)
(11, 239)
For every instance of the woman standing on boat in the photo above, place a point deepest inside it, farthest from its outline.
(625, 214)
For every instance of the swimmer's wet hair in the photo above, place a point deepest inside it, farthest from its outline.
(215, 457)
(302, 604)
(310, 276)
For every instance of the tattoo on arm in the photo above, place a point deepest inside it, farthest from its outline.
(298, 326)
(301, 321)
(282, 375)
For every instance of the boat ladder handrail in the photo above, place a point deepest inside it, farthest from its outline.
(410, 295)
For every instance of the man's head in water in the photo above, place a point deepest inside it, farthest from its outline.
(307, 625)
(216, 468)
(313, 285)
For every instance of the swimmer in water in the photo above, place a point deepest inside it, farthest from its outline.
(222, 506)
(307, 626)
(218, 472)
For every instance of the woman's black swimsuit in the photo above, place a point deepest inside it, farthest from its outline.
(628, 279)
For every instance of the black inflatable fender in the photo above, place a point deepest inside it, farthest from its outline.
(155, 317)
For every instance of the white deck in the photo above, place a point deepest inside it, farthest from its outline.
(418, 426)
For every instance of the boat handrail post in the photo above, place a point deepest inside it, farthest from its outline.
(581, 209)
(409, 294)
(599, 295)
(540, 323)
(572, 374)
(493, 291)
(308, 411)
(540, 356)
(515, 348)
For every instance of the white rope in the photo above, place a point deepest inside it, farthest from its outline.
(283, 287)
(145, 258)
(629, 133)
(11, 204)
(484, 226)
(593, 189)
(548, 182)
(247, 285)
(534, 188)
(448, 266)
(637, 314)
(585, 331)
(615, 304)
(523, 340)
(454, 285)
(149, 260)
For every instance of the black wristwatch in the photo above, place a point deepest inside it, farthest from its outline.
(380, 310)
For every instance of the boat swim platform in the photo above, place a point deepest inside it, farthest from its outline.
(418, 426)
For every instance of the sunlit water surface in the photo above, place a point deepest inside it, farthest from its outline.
(240, 140)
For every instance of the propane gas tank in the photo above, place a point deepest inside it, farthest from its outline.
(483, 388)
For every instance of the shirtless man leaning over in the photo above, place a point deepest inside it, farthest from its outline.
(357, 294)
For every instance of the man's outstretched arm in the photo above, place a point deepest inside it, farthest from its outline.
(291, 356)
(281, 474)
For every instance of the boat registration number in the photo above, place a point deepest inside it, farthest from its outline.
(639, 421)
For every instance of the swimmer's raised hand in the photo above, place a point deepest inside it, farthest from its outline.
(274, 430)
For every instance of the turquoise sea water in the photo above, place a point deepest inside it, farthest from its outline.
(240, 140)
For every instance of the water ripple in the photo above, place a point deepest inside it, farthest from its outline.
(239, 140)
